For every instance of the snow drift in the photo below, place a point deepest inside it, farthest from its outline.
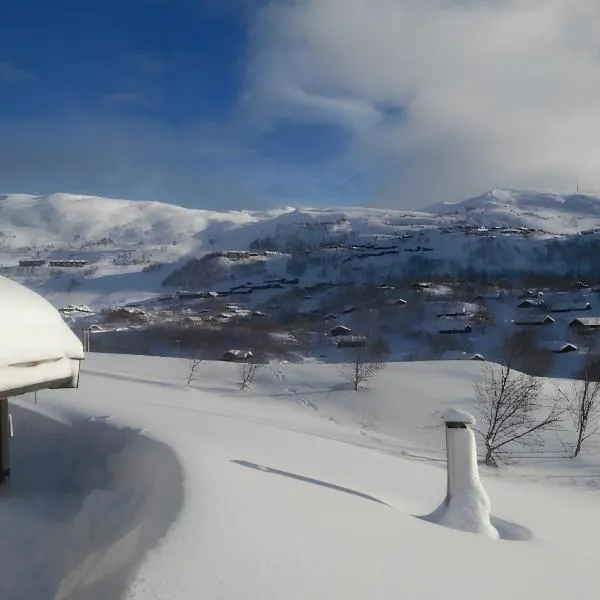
(467, 506)
(87, 500)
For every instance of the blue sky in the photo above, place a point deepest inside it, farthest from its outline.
(260, 103)
(144, 99)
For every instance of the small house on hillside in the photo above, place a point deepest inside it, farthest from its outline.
(560, 308)
(531, 303)
(37, 262)
(351, 341)
(477, 357)
(466, 329)
(564, 348)
(236, 355)
(68, 263)
(585, 323)
(531, 294)
(547, 320)
(584, 306)
(340, 330)
(398, 302)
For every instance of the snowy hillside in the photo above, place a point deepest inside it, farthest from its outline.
(139, 486)
(555, 213)
(161, 279)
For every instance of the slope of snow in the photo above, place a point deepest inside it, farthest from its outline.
(555, 213)
(121, 239)
(286, 494)
(37, 220)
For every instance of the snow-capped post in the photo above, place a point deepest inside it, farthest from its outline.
(467, 506)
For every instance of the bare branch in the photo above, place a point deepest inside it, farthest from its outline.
(194, 363)
(362, 368)
(584, 401)
(247, 374)
(510, 410)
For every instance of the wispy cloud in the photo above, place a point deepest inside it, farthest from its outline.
(11, 73)
(148, 63)
(140, 99)
(484, 93)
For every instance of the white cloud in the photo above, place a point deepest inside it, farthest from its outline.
(11, 73)
(489, 92)
(142, 99)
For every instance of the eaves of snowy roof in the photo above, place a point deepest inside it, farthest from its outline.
(37, 348)
(586, 322)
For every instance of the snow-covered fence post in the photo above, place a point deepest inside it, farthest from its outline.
(5, 434)
(467, 506)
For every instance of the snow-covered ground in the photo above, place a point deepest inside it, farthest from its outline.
(139, 486)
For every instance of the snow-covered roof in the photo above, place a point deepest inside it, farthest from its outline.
(37, 348)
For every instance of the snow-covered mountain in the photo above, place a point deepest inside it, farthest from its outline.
(302, 268)
(554, 213)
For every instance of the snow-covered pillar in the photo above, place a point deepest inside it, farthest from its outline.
(4, 440)
(467, 506)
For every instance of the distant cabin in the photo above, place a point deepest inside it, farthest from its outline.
(397, 302)
(547, 320)
(236, 355)
(351, 341)
(477, 357)
(340, 330)
(32, 263)
(564, 348)
(585, 323)
(236, 254)
(68, 263)
(529, 303)
(531, 294)
(190, 295)
(452, 313)
(560, 308)
(586, 306)
(466, 329)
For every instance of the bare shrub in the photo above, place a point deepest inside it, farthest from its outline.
(510, 411)
(247, 374)
(584, 400)
(362, 366)
(194, 365)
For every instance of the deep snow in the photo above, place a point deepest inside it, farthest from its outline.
(278, 493)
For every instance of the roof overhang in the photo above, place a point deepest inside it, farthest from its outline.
(37, 348)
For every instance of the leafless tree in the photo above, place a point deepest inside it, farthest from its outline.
(247, 374)
(194, 364)
(362, 367)
(510, 410)
(584, 401)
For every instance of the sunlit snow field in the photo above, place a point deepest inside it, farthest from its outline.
(139, 486)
